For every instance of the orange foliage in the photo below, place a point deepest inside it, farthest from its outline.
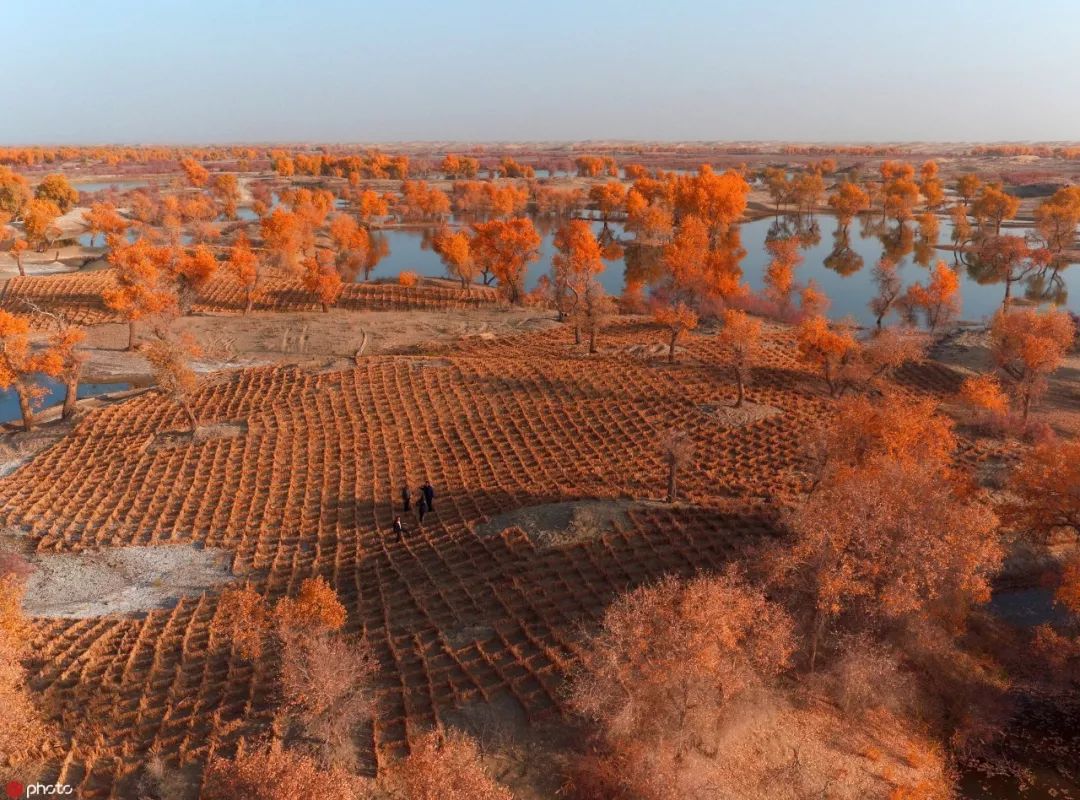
(504, 248)
(1046, 489)
(248, 620)
(408, 279)
(39, 218)
(608, 197)
(169, 362)
(141, 288)
(993, 206)
(316, 608)
(244, 266)
(939, 300)
(277, 774)
(20, 365)
(195, 172)
(56, 189)
(103, 218)
(671, 656)
(1027, 346)
(825, 347)
(847, 201)
(444, 767)
(983, 395)
(455, 251)
(322, 279)
(676, 318)
(740, 340)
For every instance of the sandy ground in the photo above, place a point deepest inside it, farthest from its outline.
(558, 524)
(330, 340)
(122, 580)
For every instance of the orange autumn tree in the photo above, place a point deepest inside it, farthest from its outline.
(18, 249)
(245, 267)
(939, 300)
(287, 236)
(21, 365)
(64, 344)
(672, 656)
(848, 201)
(993, 206)
(1027, 346)
(608, 198)
(453, 248)
(574, 267)
(825, 347)
(740, 341)
(141, 286)
(1008, 259)
(278, 774)
(985, 399)
(353, 244)
(889, 530)
(190, 272)
(104, 219)
(505, 248)
(718, 200)
(196, 173)
(57, 190)
(1045, 489)
(443, 766)
(321, 278)
(39, 222)
(170, 362)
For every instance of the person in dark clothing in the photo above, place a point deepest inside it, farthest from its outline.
(421, 508)
(406, 499)
(429, 495)
(398, 528)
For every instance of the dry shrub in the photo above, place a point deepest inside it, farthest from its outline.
(771, 750)
(443, 767)
(671, 656)
(327, 682)
(24, 736)
(316, 606)
(408, 279)
(278, 775)
(157, 781)
(247, 620)
(867, 677)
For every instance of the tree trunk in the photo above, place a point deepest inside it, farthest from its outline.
(1008, 294)
(815, 636)
(671, 346)
(326, 308)
(592, 339)
(71, 394)
(672, 490)
(1026, 405)
(25, 409)
(577, 333)
(18, 261)
(739, 383)
(131, 335)
(190, 415)
(250, 301)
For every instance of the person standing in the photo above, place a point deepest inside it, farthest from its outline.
(398, 527)
(406, 499)
(421, 508)
(429, 495)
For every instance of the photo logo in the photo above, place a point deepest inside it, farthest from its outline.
(16, 790)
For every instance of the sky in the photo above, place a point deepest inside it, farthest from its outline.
(219, 71)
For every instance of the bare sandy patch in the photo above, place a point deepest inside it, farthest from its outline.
(121, 580)
(746, 414)
(562, 524)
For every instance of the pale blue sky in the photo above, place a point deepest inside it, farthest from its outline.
(331, 70)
